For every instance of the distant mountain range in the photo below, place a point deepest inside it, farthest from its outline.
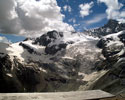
(111, 27)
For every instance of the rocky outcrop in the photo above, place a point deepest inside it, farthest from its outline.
(29, 49)
(113, 49)
(113, 80)
(55, 48)
(16, 76)
(49, 37)
(52, 40)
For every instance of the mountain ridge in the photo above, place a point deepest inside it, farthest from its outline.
(112, 26)
(63, 61)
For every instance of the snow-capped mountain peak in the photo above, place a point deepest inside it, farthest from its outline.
(45, 46)
(64, 61)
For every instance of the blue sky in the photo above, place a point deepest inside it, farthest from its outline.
(80, 14)
(97, 9)
(12, 37)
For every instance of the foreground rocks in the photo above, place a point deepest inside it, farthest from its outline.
(17, 77)
(37, 76)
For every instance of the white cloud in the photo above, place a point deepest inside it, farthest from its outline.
(72, 20)
(67, 8)
(95, 19)
(113, 9)
(31, 17)
(85, 9)
(75, 25)
(4, 39)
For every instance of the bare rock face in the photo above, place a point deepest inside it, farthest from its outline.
(49, 37)
(55, 48)
(6, 79)
(113, 80)
(17, 77)
(112, 46)
(113, 50)
(38, 77)
(53, 41)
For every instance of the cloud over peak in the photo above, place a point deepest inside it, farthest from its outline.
(31, 17)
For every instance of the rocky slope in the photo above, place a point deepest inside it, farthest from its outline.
(59, 61)
(113, 50)
(51, 62)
